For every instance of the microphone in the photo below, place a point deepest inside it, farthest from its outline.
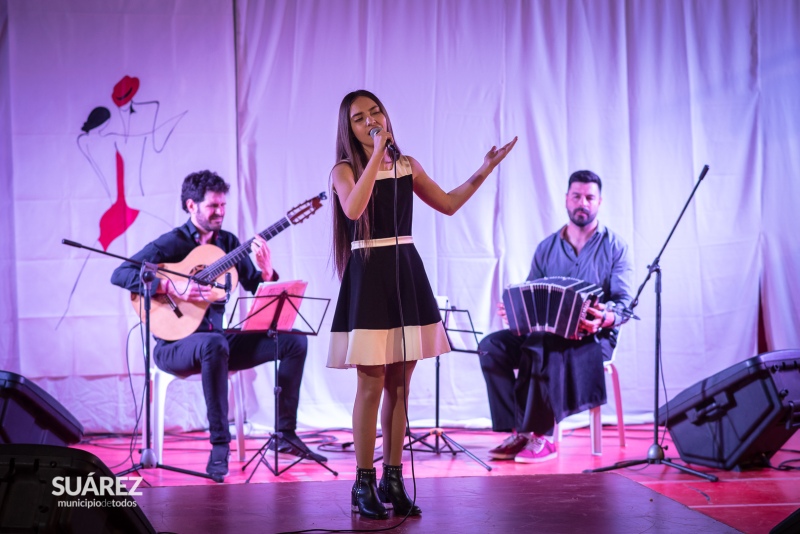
(227, 283)
(625, 312)
(702, 173)
(392, 150)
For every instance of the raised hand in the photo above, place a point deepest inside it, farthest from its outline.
(380, 141)
(496, 155)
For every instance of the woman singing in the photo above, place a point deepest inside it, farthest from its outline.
(385, 290)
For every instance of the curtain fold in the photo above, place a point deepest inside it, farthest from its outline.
(779, 142)
(9, 340)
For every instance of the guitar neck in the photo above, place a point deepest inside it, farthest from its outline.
(273, 230)
(213, 271)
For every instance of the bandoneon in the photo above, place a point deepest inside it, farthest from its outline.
(555, 304)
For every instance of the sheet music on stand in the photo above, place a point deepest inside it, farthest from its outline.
(458, 327)
(274, 310)
(264, 304)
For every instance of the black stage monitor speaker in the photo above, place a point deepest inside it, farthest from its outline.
(740, 417)
(46, 488)
(790, 525)
(29, 415)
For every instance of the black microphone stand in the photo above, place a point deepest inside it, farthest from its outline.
(148, 275)
(655, 454)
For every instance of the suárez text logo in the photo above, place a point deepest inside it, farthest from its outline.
(96, 486)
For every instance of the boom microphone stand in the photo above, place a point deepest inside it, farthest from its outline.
(655, 454)
(148, 275)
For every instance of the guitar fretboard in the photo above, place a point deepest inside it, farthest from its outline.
(215, 270)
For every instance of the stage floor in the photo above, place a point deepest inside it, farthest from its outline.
(534, 503)
(457, 494)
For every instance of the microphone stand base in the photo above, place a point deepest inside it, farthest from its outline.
(149, 460)
(655, 456)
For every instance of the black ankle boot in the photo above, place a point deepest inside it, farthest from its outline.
(364, 497)
(393, 490)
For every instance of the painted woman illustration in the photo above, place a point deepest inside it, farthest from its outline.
(121, 141)
(136, 128)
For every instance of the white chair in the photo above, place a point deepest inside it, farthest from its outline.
(161, 382)
(595, 422)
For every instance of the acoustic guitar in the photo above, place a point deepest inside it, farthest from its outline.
(173, 319)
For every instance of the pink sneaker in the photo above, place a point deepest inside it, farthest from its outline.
(537, 450)
(510, 447)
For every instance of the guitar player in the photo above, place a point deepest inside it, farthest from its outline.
(208, 350)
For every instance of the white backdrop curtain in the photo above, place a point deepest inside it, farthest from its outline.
(643, 93)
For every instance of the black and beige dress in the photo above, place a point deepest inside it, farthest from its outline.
(366, 325)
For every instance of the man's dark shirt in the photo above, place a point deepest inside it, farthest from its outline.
(173, 247)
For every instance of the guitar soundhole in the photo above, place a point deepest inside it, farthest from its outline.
(196, 269)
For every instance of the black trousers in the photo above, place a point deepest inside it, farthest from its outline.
(556, 378)
(213, 354)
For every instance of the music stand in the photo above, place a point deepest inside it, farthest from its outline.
(450, 445)
(148, 275)
(270, 309)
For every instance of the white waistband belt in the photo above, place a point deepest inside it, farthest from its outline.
(383, 242)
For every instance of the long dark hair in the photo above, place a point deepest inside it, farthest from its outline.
(350, 152)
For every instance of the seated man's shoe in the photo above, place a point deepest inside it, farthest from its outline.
(218, 462)
(537, 450)
(510, 447)
(292, 444)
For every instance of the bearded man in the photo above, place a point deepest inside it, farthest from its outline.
(558, 377)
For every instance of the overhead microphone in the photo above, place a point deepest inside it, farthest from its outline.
(389, 145)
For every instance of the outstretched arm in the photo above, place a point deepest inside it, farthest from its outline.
(449, 203)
